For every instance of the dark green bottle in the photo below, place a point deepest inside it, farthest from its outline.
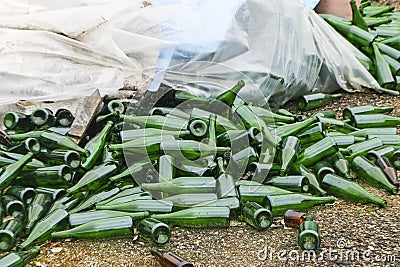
(132, 170)
(54, 193)
(314, 186)
(94, 178)
(150, 205)
(96, 145)
(154, 231)
(145, 146)
(361, 149)
(371, 174)
(110, 228)
(92, 200)
(318, 151)
(165, 111)
(229, 96)
(12, 205)
(129, 135)
(255, 215)
(383, 72)
(278, 204)
(291, 183)
(258, 193)
(190, 149)
(9, 157)
(183, 185)
(80, 218)
(123, 193)
(368, 131)
(64, 117)
(340, 165)
(43, 229)
(309, 237)
(25, 194)
(288, 153)
(225, 183)
(387, 139)
(42, 117)
(357, 19)
(19, 259)
(294, 128)
(11, 171)
(57, 141)
(71, 158)
(53, 177)
(158, 122)
(37, 210)
(189, 200)
(67, 202)
(375, 120)
(197, 217)
(349, 191)
(323, 168)
(312, 134)
(10, 231)
(18, 122)
(124, 199)
(308, 102)
(375, 154)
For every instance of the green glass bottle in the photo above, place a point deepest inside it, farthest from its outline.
(338, 125)
(278, 204)
(309, 237)
(248, 117)
(10, 231)
(54, 193)
(291, 183)
(94, 178)
(368, 131)
(129, 135)
(393, 64)
(257, 193)
(165, 111)
(183, 185)
(222, 124)
(190, 149)
(387, 167)
(198, 128)
(25, 194)
(232, 203)
(110, 228)
(314, 186)
(132, 170)
(92, 200)
(154, 231)
(197, 217)
(11, 171)
(189, 200)
(37, 210)
(387, 139)
(23, 136)
(43, 229)
(244, 157)
(349, 191)
(375, 120)
(71, 158)
(150, 205)
(116, 105)
(123, 193)
(53, 177)
(80, 218)
(323, 168)
(361, 149)
(383, 72)
(340, 165)
(322, 149)
(375, 154)
(270, 117)
(229, 96)
(257, 216)
(225, 183)
(19, 259)
(294, 128)
(42, 117)
(288, 153)
(64, 117)
(96, 145)
(392, 42)
(12, 205)
(375, 11)
(67, 202)
(57, 141)
(344, 140)
(124, 199)
(311, 134)
(372, 174)
(308, 102)
(357, 19)
(158, 122)
(18, 122)
(31, 165)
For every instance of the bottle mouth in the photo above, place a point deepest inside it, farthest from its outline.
(7, 241)
(65, 173)
(263, 218)
(65, 118)
(198, 128)
(305, 185)
(161, 234)
(116, 106)
(11, 120)
(32, 145)
(15, 206)
(39, 117)
(28, 195)
(309, 240)
(73, 159)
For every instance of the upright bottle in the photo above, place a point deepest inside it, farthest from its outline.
(116, 227)
(257, 216)
(357, 20)
(21, 258)
(308, 102)
(349, 191)
(309, 237)
(170, 259)
(96, 145)
(37, 210)
(11, 171)
(289, 151)
(154, 231)
(197, 217)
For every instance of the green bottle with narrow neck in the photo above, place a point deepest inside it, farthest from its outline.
(349, 191)
(368, 131)
(96, 145)
(18, 122)
(308, 102)
(309, 237)
(94, 178)
(92, 200)
(294, 128)
(134, 190)
(145, 146)
(57, 141)
(357, 19)
(375, 120)
(314, 186)
(109, 228)
(288, 153)
(375, 154)
(338, 125)
(372, 174)
(229, 96)
(279, 204)
(183, 185)
(124, 199)
(361, 149)
(157, 122)
(392, 139)
(53, 177)
(150, 205)
(24, 194)
(71, 158)
(21, 258)
(345, 140)
(258, 193)
(132, 170)
(257, 216)
(54, 193)
(42, 117)
(232, 203)
(189, 200)
(11, 171)
(248, 117)
(323, 168)
(37, 210)
(222, 124)
(312, 134)
(67, 202)
(80, 218)
(318, 151)
(198, 217)
(43, 229)
(190, 149)
(387, 50)
(270, 117)
(129, 135)
(28, 145)
(154, 231)
(12, 205)
(340, 165)
(394, 65)
(32, 165)
(10, 231)
(294, 183)
(383, 72)
(392, 42)
(225, 183)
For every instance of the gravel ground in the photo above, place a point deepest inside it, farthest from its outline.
(352, 234)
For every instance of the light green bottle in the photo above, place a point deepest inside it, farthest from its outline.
(292, 183)
(294, 128)
(318, 151)
(190, 149)
(183, 185)
(123, 193)
(19, 259)
(197, 217)
(124, 199)
(54, 193)
(288, 153)
(323, 168)
(71, 158)
(225, 183)
(189, 200)
(129, 135)
(57, 141)
(387, 139)
(367, 109)
(25, 194)
(255, 215)
(308, 102)
(150, 205)
(368, 131)
(258, 193)
(375, 120)
(229, 96)
(92, 200)
(80, 218)
(340, 165)
(157, 122)
(385, 151)
(314, 186)
(361, 149)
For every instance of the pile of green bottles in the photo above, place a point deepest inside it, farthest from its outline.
(190, 165)
(375, 30)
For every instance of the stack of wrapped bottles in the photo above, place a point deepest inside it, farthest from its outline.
(186, 162)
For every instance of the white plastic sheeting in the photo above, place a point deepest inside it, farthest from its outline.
(62, 49)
